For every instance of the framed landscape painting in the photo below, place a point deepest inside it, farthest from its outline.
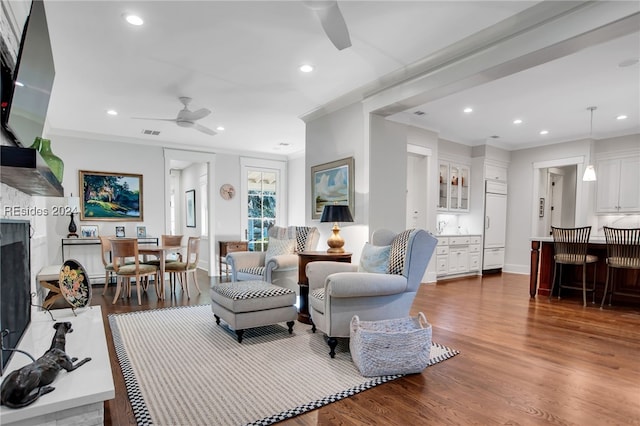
(110, 196)
(332, 183)
(190, 200)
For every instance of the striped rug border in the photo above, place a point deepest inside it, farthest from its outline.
(143, 416)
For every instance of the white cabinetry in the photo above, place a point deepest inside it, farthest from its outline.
(493, 172)
(495, 222)
(618, 188)
(458, 255)
(454, 187)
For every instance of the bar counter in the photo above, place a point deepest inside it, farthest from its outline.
(628, 280)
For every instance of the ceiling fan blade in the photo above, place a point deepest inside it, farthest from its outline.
(155, 119)
(333, 23)
(195, 115)
(204, 129)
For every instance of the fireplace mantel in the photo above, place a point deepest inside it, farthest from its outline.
(79, 393)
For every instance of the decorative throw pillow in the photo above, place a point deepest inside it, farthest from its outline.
(278, 247)
(399, 252)
(374, 259)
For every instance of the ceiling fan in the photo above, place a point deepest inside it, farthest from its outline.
(332, 21)
(187, 118)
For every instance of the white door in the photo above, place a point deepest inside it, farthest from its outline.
(555, 190)
(495, 220)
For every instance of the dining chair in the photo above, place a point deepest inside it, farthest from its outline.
(570, 248)
(623, 252)
(127, 248)
(189, 266)
(105, 247)
(168, 240)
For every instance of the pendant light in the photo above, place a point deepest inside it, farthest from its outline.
(590, 171)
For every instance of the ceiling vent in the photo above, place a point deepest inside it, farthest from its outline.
(150, 132)
(419, 112)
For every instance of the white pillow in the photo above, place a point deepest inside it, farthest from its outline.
(374, 259)
(278, 247)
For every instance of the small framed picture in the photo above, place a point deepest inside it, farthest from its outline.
(119, 231)
(89, 231)
(541, 208)
(141, 231)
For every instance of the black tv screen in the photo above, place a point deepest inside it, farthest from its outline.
(26, 91)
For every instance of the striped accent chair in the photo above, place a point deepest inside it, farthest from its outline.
(278, 265)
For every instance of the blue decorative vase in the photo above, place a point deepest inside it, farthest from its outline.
(54, 162)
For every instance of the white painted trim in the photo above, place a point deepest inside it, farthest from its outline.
(419, 150)
(197, 157)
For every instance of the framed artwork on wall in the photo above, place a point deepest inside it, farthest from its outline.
(110, 196)
(190, 200)
(332, 183)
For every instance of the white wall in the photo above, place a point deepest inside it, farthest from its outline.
(113, 157)
(332, 137)
(298, 193)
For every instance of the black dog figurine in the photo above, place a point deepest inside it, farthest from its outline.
(24, 386)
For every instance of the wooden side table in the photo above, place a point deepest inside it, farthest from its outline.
(226, 247)
(304, 258)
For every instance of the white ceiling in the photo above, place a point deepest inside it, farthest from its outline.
(240, 59)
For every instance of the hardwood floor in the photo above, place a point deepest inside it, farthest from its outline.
(521, 361)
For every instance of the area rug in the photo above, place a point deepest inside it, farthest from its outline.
(181, 368)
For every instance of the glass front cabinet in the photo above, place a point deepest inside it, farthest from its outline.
(453, 187)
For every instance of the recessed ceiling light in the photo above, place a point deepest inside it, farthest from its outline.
(306, 68)
(220, 128)
(621, 117)
(134, 20)
(112, 112)
(19, 84)
(517, 121)
(467, 110)
(544, 132)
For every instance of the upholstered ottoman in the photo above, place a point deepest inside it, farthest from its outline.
(248, 304)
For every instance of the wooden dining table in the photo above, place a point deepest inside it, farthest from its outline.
(160, 252)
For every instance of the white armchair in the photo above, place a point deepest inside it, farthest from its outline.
(338, 291)
(278, 269)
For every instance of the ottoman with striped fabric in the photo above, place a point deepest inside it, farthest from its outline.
(248, 304)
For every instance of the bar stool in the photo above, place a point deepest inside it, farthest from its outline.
(623, 252)
(570, 248)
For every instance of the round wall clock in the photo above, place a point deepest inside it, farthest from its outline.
(227, 191)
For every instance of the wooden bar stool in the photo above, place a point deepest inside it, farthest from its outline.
(623, 252)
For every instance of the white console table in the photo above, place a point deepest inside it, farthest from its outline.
(79, 395)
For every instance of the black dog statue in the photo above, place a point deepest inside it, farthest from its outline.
(24, 386)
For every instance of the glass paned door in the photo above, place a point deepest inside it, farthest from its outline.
(262, 203)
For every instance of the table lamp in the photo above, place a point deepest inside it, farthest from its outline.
(73, 204)
(336, 213)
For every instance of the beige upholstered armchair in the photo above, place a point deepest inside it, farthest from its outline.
(382, 287)
(279, 264)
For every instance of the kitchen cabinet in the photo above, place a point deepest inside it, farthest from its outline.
(458, 254)
(493, 172)
(453, 192)
(617, 188)
(495, 222)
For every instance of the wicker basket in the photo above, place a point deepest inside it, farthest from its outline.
(388, 347)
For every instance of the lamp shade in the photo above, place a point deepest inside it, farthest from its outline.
(73, 203)
(336, 213)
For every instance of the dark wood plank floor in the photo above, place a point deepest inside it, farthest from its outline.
(522, 362)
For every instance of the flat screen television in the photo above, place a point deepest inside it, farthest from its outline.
(26, 89)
